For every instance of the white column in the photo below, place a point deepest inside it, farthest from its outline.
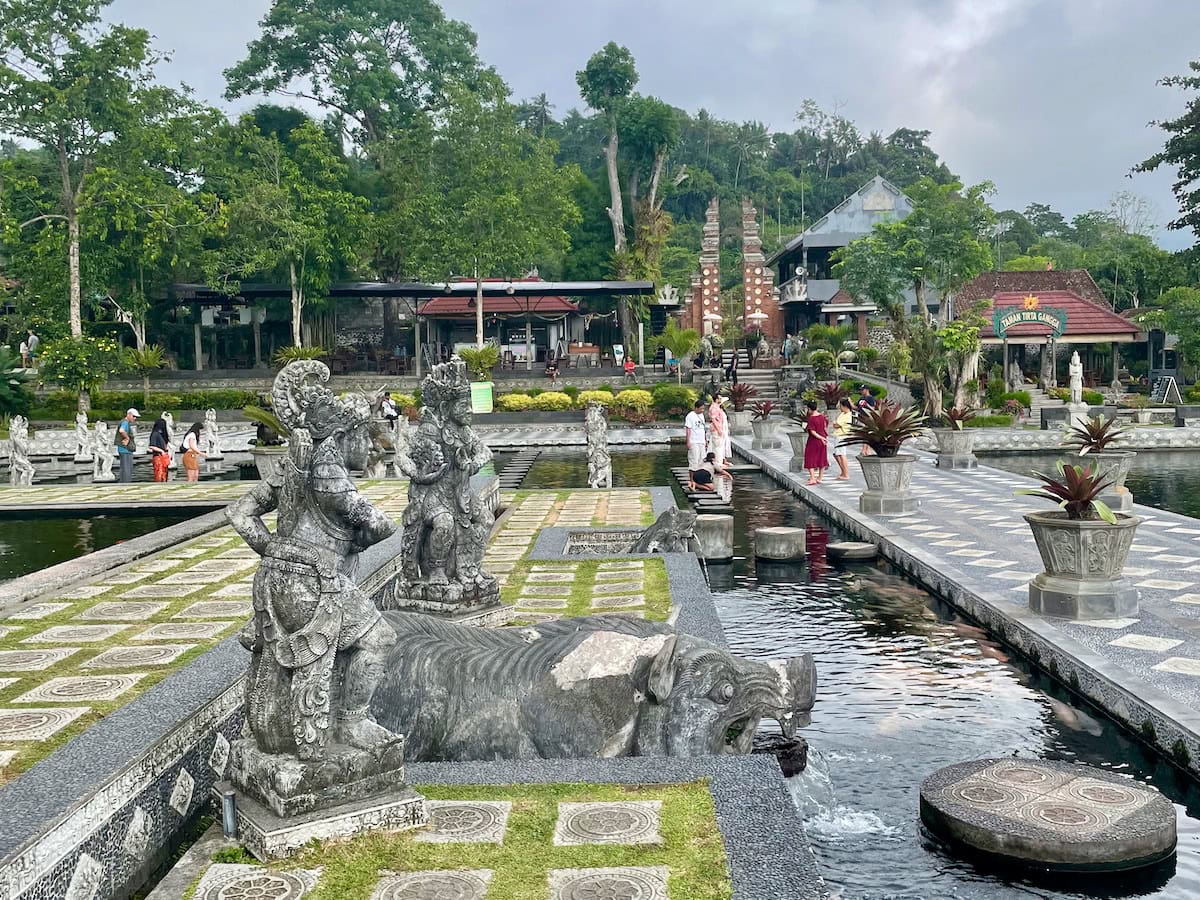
(199, 346)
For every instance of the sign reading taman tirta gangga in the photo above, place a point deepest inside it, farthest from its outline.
(1005, 317)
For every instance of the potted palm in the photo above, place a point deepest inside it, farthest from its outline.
(766, 429)
(888, 472)
(480, 361)
(1140, 404)
(267, 448)
(956, 443)
(1083, 545)
(681, 344)
(739, 418)
(1096, 438)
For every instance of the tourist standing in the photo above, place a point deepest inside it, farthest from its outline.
(816, 448)
(787, 350)
(720, 430)
(127, 444)
(693, 436)
(731, 371)
(160, 449)
(841, 431)
(191, 452)
(33, 341)
(24, 354)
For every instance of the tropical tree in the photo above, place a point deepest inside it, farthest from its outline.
(1182, 149)
(681, 343)
(74, 85)
(143, 361)
(80, 364)
(1181, 306)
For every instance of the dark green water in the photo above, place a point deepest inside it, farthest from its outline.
(27, 545)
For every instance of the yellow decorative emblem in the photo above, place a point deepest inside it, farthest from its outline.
(1031, 302)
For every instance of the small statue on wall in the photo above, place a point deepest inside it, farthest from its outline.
(20, 471)
(103, 452)
(83, 440)
(598, 458)
(1075, 371)
(210, 436)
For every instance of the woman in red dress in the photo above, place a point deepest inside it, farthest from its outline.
(816, 449)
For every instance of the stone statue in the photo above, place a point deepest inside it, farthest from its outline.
(672, 532)
(595, 423)
(20, 469)
(318, 643)
(445, 532)
(103, 452)
(170, 420)
(83, 440)
(210, 436)
(1075, 371)
(595, 686)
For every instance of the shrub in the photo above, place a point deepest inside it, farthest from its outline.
(1092, 398)
(607, 387)
(224, 398)
(994, 391)
(587, 397)
(513, 402)
(404, 401)
(1059, 393)
(633, 399)
(822, 362)
(673, 399)
(285, 355)
(573, 392)
(990, 422)
(531, 392)
(480, 360)
(1021, 397)
(852, 387)
(1013, 407)
(552, 401)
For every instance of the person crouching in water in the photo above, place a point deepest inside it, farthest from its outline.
(160, 452)
(191, 452)
(712, 476)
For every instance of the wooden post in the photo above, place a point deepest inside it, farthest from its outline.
(1004, 365)
(198, 346)
(416, 306)
(528, 343)
(1115, 384)
(257, 340)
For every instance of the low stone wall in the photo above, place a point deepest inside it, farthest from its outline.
(1027, 440)
(60, 442)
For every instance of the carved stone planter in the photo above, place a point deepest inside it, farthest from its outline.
(797, 439)
(1142, 416)
(889, 485)
(739, 421)
(1113, 466)
(1083, 561)
(766, 434)
(955, 448)
(265, 459)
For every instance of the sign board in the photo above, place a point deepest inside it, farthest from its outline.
(1005, 317)
(1165, 390)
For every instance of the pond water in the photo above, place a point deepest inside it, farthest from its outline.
(1166, 479)
(27, 545)
(905, 686)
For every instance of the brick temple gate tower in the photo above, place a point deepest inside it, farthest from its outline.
(758, 282)
(706, 286)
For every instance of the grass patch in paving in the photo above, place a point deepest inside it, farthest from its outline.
(656, 588)
(692, 848)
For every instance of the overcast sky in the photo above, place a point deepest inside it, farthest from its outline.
(1049, 99)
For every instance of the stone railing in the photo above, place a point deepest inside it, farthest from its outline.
(1016, 440)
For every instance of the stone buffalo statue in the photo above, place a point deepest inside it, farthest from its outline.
(596, 686)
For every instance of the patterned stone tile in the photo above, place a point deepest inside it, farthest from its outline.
(33, 660)
(550, 576)
(465, 821)
(1145, 642)
(193, 578)
(237, 589)
(130, 577)
(186, 553)
(1181, 665)
(991, 563)
(223, 881)
(81, 688)
(19, 725)
(617, 574)
(457, 884)
(1173, 558)
(540, 603)
(1193, 599)
(39, 611)
(6, 630)
(624, 564)
(156, 565)
(136, 657)
(618, 602)
(626, 822)
(74, 634)
(182, 631)
(168, 591)
(617, 587)
(547, 590)
(953, 543)
(1013, 576)
(6, 756)
(84, 592)
(123, 611)
(214, 609)
(1165, 584)
(623, 882)
(974, 554)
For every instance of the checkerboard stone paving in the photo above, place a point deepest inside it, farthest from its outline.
(465, 822)
(458, 884)
(619, 883)
(622, 822)
(223, 881)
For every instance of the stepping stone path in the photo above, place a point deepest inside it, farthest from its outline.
(633, 822)
(235, 882)
(620, 883)
(459, 884)
(465, 822)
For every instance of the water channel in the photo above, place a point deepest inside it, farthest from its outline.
(906, 686)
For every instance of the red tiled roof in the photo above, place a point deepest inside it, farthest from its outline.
(1083, 316)
(447, 307)
(1037, 281)
(842, 296)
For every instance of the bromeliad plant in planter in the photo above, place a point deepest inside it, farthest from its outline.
(1083, 545)
(888, 472)
(1140, 404)
(269, 437)
(956, 444)
(766, 429)
(1096, 439)
(739, 418)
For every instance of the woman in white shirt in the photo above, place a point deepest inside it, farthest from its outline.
(191, 452)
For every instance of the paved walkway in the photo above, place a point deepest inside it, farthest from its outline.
(968, 542)
(108, 496)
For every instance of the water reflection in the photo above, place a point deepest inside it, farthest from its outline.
(27, 545)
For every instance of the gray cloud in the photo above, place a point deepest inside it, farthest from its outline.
(1049, 99)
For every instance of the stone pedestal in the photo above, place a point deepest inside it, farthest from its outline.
(779, 544)
(1077, 413)
(797, 439)
(1078, 598)
(715, 534)
(1083, 561)
(269, 836)
(473, 605)
(955, 448)
(739, 422)
(83, 458)
(766, 434)
(889, 485)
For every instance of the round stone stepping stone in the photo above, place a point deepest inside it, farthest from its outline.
(851, 550)
(1056, 815)
(779, 544)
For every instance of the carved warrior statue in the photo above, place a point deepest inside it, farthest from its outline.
(318, 643)
(1075, 370)
(83, 440)
(445, 527)
(595, 423)
(103, 452)
(210, 436)
(578, 688)
(20, 469)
